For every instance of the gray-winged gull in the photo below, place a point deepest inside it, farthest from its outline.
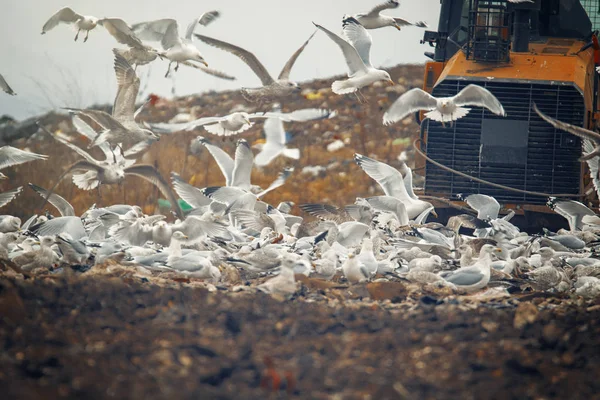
(374, 19)
(476, 276)
(177, 49)
(393, 184)
(272, 88)
(356, 48)
(120, 127)
(443, 109)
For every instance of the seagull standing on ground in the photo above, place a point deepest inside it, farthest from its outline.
(356, 49)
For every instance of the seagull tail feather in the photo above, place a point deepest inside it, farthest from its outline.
(342, 87)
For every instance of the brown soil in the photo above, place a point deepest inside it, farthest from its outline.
(96, 337)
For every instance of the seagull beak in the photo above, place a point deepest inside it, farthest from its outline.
(434, 213)
(397, 27)
(204, 62)
(391, 82)
(498, 250)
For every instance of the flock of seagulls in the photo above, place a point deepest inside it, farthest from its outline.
(230, 227)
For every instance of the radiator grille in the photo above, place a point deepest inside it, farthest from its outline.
(550, 160)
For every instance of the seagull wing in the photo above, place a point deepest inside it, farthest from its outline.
(104, 119)
(575, 130)
(475, 95)
(353, 59)
(76, 149)
(252, 219)
(593, 165)
(285, 72)
(305, 114)
(7, 197)
(203, 20)
(465, 277)
(572, 211)
(157, 30)
(4, 86)
(190, 194)
(242, 165)
(83, 127)
(389, 178)
(66, 15)
(63, 206)
(278, 182)
(121, 32)
(392, 205)
(208, 17)
(138, 148)
(383, 6)
(412, 101)
(71, 225)
(486, 206)
(129, 85)
(359, 38)
(209, 71)
(403, 22)
(408, 179)
(275, 136)
(223, 160)
(10, 156)
(247, 57)
(149, 173)
(326, 212)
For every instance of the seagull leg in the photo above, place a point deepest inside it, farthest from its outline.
(87, 33)
(168, 69)
(358, 97)
(363, 96)
(176, 67)
(77, 35)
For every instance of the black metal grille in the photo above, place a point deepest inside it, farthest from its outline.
(488, 31)
(593, 10)
(551, 164)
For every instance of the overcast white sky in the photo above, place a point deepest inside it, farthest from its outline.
(51, 71)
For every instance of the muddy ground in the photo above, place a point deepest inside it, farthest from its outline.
(97, 337)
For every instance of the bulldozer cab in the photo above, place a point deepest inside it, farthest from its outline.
(541, 52)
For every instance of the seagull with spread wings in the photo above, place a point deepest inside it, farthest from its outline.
(395, 185)
(113, 170)
(67, 16)
(374, 19)
(120, 127)
(272, 88)
(274, 144)
(356, 48)
(239, 122)
(443, 109)
(177, 49)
